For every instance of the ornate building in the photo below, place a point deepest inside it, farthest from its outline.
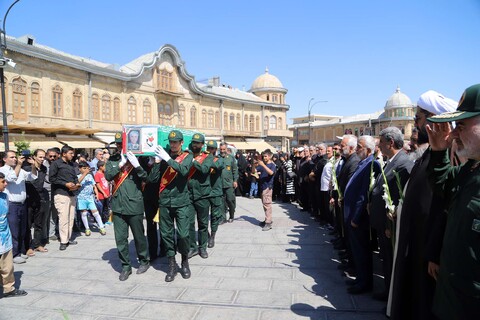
(57, 98)
(398, 111)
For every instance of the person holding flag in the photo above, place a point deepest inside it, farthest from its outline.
(175, 205)
(127, 207)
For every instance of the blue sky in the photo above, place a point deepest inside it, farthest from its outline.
(351, 53)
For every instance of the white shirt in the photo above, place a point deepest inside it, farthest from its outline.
(326, 176)
(16, 189)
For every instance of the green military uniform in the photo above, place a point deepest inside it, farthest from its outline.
(457, 291)
(200, 189)
(457, 294)
(174, 204)
(127, 207)
(216, 200)
(229, 176)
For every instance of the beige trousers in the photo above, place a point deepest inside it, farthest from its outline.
(6, 270)
(65, 206)
(267, 204)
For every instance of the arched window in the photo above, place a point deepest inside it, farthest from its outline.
(217, 119)
(19, 98)
(132, 110)
(257, 123)
(77, 104)
(225, 121)
(57, 101)
(274, 98)
(211, 123)
(147, 111)
(204, 119)
(193, 117)
(268, 97)
(106, 108)
(116, 109)
(265, 123)
(238, 123)
(273, 122)
(232, 121)
(165, 80)
(280, 123)
(181, 115)
(95, 107)
(251, 123)
(35, 97)
(245, 123)
(161, 113)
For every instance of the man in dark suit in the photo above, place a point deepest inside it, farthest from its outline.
(391, 146)
(357, 222)
(350, 163)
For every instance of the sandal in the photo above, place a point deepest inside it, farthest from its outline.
(41, 249)
(30, 253)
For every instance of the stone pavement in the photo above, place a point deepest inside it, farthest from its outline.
(288, 272)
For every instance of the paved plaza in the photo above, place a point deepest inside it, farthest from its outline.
(289, 272)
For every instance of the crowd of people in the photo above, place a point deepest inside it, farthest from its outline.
(416, 203)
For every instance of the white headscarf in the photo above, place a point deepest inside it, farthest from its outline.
(436, 103)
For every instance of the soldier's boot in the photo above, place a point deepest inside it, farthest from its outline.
(211, 240)
(185, 269)
(172, 269)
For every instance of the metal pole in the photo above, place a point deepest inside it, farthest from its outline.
(3, 46)
(4, 111)
(309, 110)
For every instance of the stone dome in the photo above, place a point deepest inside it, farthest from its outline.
(265, 81)
(398, 100)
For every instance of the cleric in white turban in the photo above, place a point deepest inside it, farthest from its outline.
(436, 103)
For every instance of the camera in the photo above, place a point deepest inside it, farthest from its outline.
(26, 153)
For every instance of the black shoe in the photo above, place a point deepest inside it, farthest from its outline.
(192, 253)
(380, 296)
(230, 220)
(63, 246)
(124, 275)
(72, 243)
(172, 270)
(358, 290)
(15, 293)
(203, 253)
(262, 224)
(211, 240)
(185, 269)
(143, 268)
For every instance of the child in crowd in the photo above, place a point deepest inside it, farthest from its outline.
(254, 180)
(6, 256)
(103, 194)
(267, 171)
(86, 198)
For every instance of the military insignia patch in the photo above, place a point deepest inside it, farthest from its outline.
(210, 142)
(196, 136)
(118, 135)
(172, 135)
(476, 225)
(228, 168)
